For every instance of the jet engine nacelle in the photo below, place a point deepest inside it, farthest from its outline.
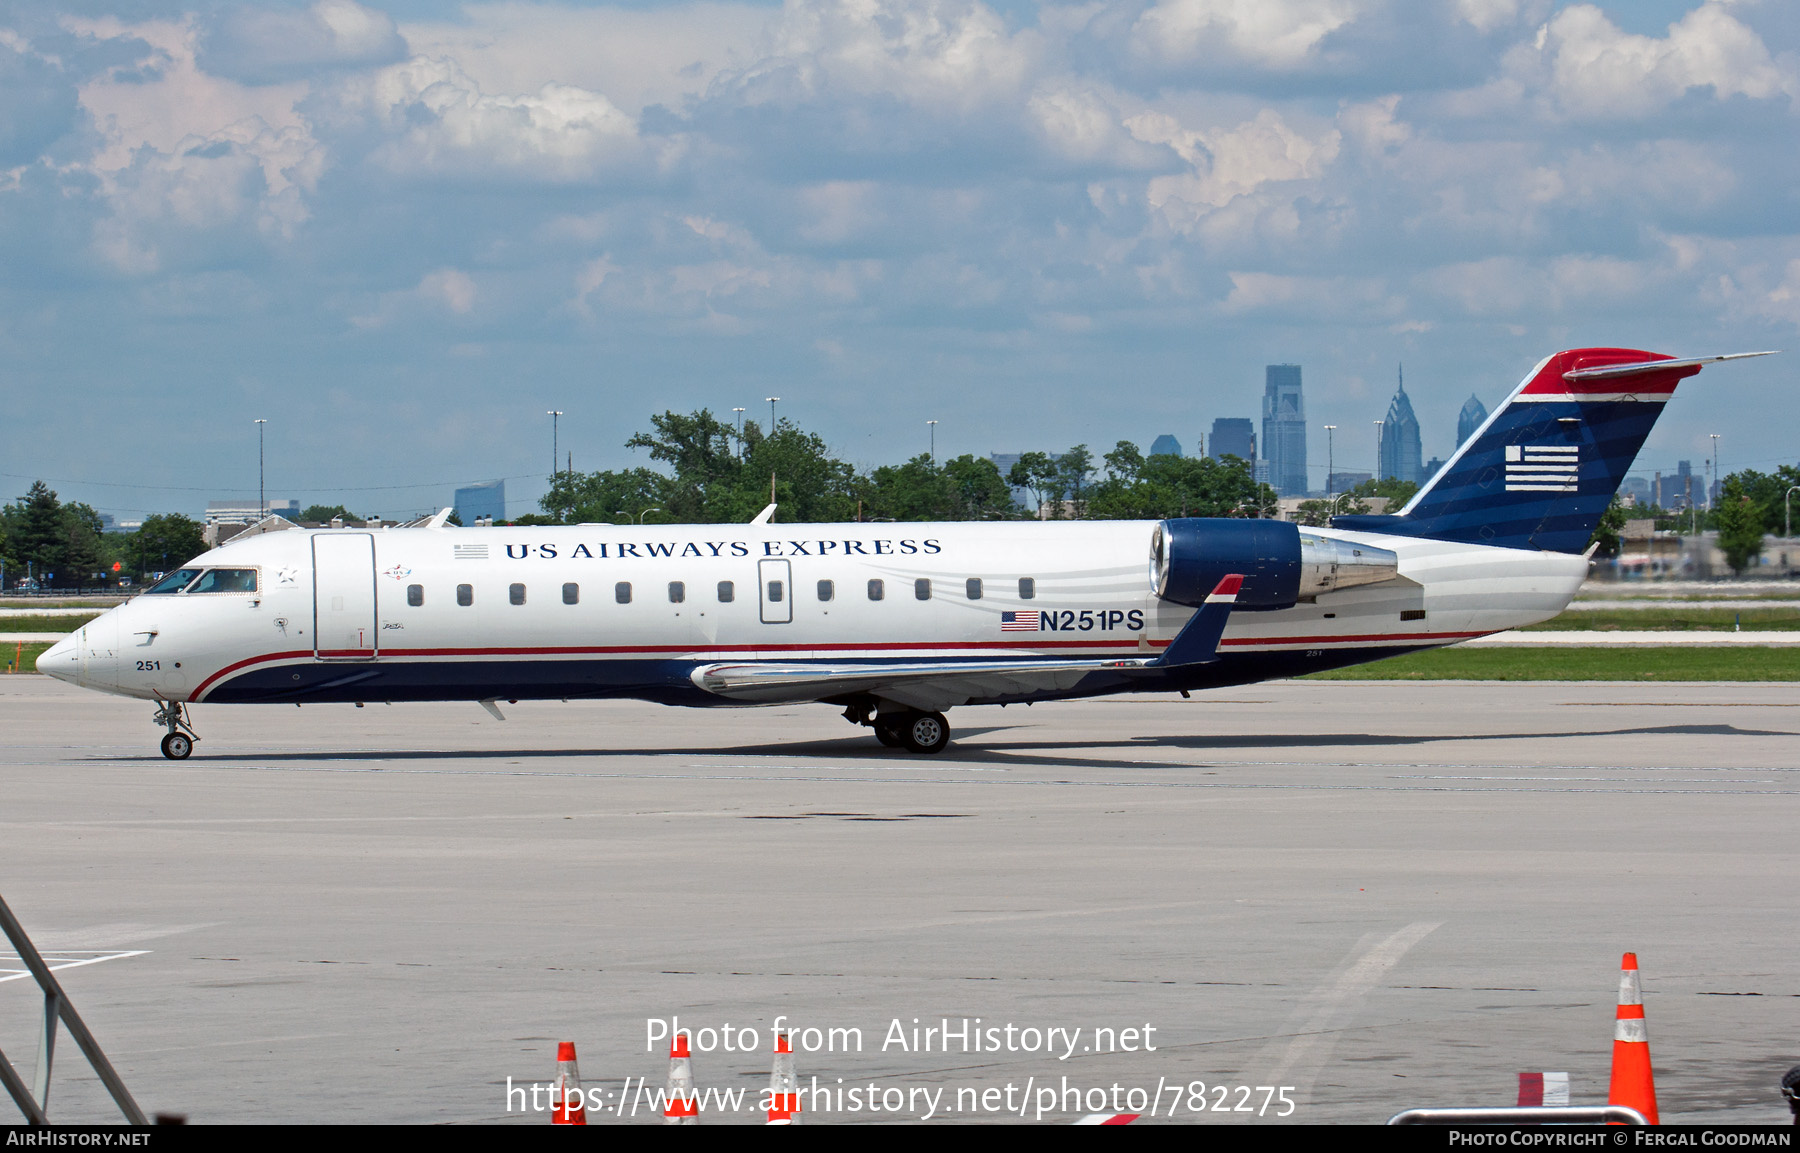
(1281, 563)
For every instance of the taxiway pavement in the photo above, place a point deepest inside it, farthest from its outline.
(1388, 895)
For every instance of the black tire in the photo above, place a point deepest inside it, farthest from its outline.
(926, 732)
(888, 731)
(177, 746)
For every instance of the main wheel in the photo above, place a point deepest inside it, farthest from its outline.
(888, 730)
(926, 733)
(176, 746)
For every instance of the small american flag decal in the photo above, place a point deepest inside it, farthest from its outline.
(470, 551)
(1025, 621)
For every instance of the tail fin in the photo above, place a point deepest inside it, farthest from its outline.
(1542, 469)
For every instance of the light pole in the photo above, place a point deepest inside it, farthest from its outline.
(1787, 509)
(772, 401)
(933, 425)
(555, 415)
(262, 501)
(740, 431)
(1379, 425)
(645, 513)
(1329, 466)
(1716, 480)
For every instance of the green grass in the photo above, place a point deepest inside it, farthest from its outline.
(25, 658)
(1680, 620)
(60, 623)
(1561, 663)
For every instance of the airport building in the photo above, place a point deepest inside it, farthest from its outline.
(477, 501)
(1284, 429)
(248, 511)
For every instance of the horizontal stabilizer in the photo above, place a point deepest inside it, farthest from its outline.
(1609, 371)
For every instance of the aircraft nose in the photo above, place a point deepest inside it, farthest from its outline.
(62, 660)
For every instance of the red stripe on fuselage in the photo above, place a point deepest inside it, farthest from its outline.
(702, 654)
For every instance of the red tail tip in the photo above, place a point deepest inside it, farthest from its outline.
(565, 1050)
(1229, 586)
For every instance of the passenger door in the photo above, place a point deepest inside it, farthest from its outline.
(344, 625)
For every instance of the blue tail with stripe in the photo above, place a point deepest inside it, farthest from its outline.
(1543, 468)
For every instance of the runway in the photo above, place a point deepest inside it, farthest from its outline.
(1386, 895)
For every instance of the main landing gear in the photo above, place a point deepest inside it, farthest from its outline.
(181, 737)
(909, 728)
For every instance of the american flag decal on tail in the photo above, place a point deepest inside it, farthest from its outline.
(1542, 467)
(1019, 622)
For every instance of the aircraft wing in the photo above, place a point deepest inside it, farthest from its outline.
(938, 685)
(927, 685)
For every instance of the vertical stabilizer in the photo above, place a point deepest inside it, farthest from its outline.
(1543, 467)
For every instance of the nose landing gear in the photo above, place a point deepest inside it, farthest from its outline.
(181, 736)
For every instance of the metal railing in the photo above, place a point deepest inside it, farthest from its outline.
(1523, 1115)
(35, 1102)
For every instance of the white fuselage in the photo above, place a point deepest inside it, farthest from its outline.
(624, 609)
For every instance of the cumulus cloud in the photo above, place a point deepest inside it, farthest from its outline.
(1596, 70)
(432, 119)
(1273, 33)
(258, 46)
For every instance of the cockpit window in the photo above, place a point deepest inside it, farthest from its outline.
(175, 581)
(225, 580)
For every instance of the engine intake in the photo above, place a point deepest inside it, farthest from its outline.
(1280, 562)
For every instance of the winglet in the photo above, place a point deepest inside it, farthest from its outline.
(441, 519)
(1198, 641)
(763, 516)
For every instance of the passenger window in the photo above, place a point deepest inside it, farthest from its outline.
(677, 592)
(415, 595)
(726, 593)
(922, 589)
(974, 588)
(622, 592)
(465, 595)
(826, 589)
(1027, 588)
(774, 592)
(571, 593)
(516, 594)
(876, 590)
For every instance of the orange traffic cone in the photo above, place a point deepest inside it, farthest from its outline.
(784, 1086)
(1633, 1084)
(566, 1105)
(682, 1108)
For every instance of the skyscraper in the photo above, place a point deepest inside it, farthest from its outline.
(1165, 445)
(1284, 429)
(1401, 457)
(1469, 419)
(1233, 436)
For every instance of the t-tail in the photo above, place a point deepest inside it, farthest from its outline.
(1545, 465)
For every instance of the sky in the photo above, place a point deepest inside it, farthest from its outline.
(400, 234)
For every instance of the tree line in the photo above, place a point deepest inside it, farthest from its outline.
(714, 474)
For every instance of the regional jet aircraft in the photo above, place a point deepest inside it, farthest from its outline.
(892, 623)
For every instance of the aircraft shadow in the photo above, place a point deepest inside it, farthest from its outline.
(862, 747)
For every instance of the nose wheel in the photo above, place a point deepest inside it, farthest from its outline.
(179, 742)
